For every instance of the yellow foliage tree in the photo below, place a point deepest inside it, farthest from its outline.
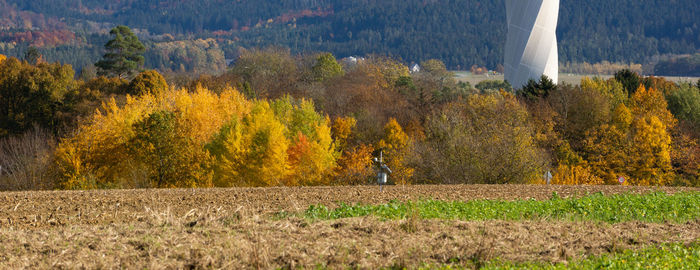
(622, 117)
(651, 102)
(650, 146)
(650, 153)
(149, 81)
(611, 88)
(2, 57)
(341, 131)
(100, 155)
(251, 151)
(575, 175)
(605, 149)
(312, 154)
(396, 145)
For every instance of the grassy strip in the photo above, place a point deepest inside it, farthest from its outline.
(651, 207)
(670, 256)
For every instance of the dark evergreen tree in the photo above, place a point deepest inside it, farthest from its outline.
(124, 54)
(537, 89)
(630, 80)
(32, 55)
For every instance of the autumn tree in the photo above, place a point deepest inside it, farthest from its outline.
(252, 150)
(684, 103)
(270, 72)
(149, 81)
(391, 69)
(341, 130)
(635, 143)
(605, 148)
(102, 151)
(312, 154)
(124, 54)
(366, 95)
(486, 139)
(613, 90)
(396, 146)
(578, 109)
(566, 174)
(355, 166)
(160, 145)
(435, 80)
(32, 95)
(650, 153)
(651, 141)
(685, 156)
(647, 102)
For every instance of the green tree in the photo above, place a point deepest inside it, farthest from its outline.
(629, 79)
(494, 85)
(32, 55)
(166, 154)
(537, 89)
(124, 54)
(153, 144)
(326, 67)
(685, 104)
(32, 95)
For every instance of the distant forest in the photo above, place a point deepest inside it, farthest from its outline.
(461, 33)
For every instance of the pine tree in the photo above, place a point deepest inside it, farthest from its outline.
(124, 54)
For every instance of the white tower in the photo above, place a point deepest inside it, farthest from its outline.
(531, 48)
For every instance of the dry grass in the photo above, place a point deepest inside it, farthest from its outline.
(233, 229)
(218, 239)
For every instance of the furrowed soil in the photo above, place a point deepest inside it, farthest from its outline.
(236, 228)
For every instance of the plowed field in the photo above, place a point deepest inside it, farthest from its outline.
(236, 228)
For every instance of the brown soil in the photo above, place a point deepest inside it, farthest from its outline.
(61, 208)
(232, 228)
(162, 241)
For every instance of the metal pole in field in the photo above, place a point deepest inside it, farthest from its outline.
(383, 171)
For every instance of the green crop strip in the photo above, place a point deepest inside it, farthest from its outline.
(669, 256)
(651, 207)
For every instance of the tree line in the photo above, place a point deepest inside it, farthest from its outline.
(278, 118)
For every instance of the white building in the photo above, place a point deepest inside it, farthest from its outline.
(531, 47)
